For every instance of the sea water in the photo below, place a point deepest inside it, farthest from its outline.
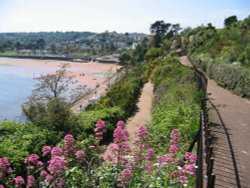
(15, 87)
(16, 84)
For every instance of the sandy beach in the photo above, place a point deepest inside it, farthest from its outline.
(91, 73)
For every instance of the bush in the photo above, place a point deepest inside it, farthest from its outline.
(87, 119)
(232, 77)
(124, 94)
(176, 105)
(17, 140)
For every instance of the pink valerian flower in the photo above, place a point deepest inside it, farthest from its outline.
(92, 147)
(149, 166)
(100, 130)
(175, 138)
(9, 170)
(59, 182)
(33, 162)
(125, 177)
(142, 133)
(56, 151)
(1, 186)
(183, 180)
(30, 181)
(173, 149)
(5, 167)
(69, 147)
(43, 173)
(19, 181)
(33, 158)
(191, 169)
(120, 148)
(175, 134)
(48, 178)
(46, 150)
(4, 163)
(163, 160)
(121, 124)
(57, 166)
(80, 155)
(149, 154)
(190, 157)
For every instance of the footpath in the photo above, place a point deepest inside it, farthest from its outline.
(143, 114)
(230, 129)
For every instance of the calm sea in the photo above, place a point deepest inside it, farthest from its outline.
(16, 84)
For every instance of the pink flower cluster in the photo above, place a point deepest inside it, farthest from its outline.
(174, 142)
(125, 177)
(69, 147)
(57, 166)
(5, 170)
(120, 147)
(33, 162)
(100, 130)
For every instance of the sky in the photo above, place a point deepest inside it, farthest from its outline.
(114, 15)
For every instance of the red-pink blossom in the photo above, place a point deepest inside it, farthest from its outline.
(163, 160)
(57, 166)
(149, 154)
(125, 177)
(173, 149)
(48, 178)
(30, 181)
(80, 155)
(4, 163)
(1, 186)
(56, 151)
(33, 158)
(191, 169)
(92, 147)
(19, 181)
(43, 173)
(142, 133)
(100, 130)
(183, 180)
(46, 150)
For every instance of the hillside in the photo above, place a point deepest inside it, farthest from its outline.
(224, 54)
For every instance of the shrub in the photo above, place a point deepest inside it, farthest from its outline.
(18, 140)
(71, 166)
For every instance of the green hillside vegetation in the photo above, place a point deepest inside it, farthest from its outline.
(175, 110)
(18, 140)
(176, 104)
(224, 54)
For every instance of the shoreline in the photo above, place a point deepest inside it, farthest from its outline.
(89, 73)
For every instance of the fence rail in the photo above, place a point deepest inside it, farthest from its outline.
(205, 177)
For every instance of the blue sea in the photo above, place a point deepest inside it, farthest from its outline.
(15, 87)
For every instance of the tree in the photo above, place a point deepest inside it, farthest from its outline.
(48, 105)
(228, 22)
(125, 58)
(53, 48)
(159, 29)
(41, 44)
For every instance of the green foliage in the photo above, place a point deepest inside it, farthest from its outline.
(231, 76)
(124, 93)
(228, 22)
(126, 59)
(87, 120)
(176, 105)
(224, 54)
(17, 140)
